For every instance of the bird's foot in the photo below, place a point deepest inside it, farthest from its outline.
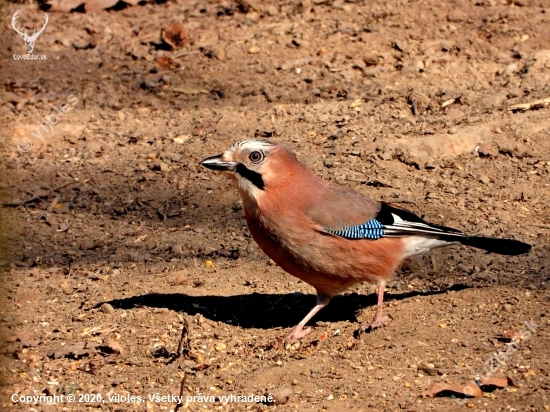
(377, 322)
(296, 334)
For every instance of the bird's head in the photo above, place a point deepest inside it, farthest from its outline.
(254, 165)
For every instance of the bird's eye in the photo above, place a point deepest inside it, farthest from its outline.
(256, 157)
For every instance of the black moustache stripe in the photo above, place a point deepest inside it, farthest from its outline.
(250, 175)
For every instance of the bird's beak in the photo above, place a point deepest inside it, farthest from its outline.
(217, 163)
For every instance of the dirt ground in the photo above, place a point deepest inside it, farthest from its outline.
(115, 236)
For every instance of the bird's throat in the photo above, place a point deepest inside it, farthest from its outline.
(253, 177)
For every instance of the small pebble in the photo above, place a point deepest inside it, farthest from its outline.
(272, 10)
(181, 139)
(281, 396)
(371, 59)
(177, 250)
(400, 46)
(107, 308)
(486, 150)
(183, 279)
(485, 179)
(511, 68)
(452, 130)
(65, 287)
(454, 113)
(114, 346)
(188, 363)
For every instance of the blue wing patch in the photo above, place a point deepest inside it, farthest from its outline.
(373, 229)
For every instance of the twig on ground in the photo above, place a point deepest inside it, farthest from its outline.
(530, 106)
(43, 195)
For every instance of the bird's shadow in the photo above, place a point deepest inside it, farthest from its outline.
(265, 311)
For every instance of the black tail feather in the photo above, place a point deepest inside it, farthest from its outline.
(495, 245)
(400, 222)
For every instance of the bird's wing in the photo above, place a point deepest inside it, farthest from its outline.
(336, 207)
(380, 220)
(340, 212)
(401, 222)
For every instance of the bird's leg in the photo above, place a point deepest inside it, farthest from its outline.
(378, 320)
(298, 332)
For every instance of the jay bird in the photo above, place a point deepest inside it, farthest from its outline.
(326, 234)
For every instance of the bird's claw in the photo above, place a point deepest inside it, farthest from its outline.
(377, 322)
(296, 334)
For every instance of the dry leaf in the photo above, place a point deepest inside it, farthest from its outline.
(436, 388)
(94, 6)
(166, 62)
(498, 379)
(470, 389)
(27, 338)
(510, 335)
(75, 351)
(176, 35)
(64, 6)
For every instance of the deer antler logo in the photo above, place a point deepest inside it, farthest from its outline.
(28, 39)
